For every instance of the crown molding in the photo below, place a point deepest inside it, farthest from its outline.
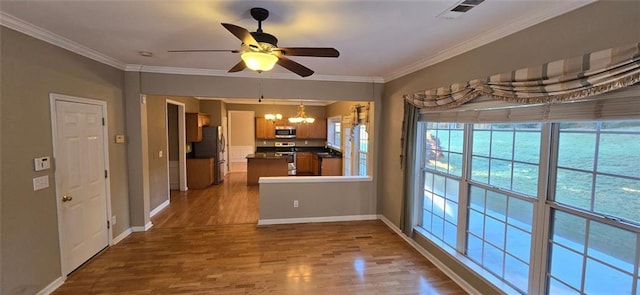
(269, 101)
(34, 31)
(490, 36)
(247, 74)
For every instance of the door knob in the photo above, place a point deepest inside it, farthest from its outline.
(67, 198)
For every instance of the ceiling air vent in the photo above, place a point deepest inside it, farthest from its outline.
(459, 8)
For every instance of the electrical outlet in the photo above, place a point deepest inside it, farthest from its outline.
(295, 204)
(113, 220)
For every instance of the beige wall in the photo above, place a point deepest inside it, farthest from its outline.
(597, 26)
(241, 128)
(30, 71)
(214, 109)
(285, 110)
(232, 87)
(157, 142)
(316, 199)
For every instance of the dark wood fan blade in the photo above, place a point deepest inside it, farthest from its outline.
(309, 51)
(206, 50)
(238, 67)
(242, 34)
(294, 67)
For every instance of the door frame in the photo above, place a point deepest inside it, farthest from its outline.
(182, 139)
(53, 98)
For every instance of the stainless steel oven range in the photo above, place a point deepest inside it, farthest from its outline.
(287, 149)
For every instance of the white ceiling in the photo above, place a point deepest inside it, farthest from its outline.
(377, 40)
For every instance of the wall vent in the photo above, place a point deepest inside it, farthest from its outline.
(459, 8)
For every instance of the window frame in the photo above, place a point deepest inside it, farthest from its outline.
(331, 136)
(543, 205)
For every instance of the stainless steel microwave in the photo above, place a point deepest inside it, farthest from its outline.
(285, 132)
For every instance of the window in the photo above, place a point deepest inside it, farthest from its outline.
(334, 132)
(442, 166)
(505, 194)
(363, 149)
(596, 172)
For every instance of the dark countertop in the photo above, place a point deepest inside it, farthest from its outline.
(266, 155)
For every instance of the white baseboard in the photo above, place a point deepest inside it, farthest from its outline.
(51, 287)
(441, 266)
(144, 228)
(317, 219)
(159, 208)
(121, 236)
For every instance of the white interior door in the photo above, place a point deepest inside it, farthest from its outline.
(81, 179)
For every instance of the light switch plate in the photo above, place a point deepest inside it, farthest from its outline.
(42, 163)
(41, 182)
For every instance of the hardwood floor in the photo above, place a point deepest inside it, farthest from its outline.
(231, 202)
(192, 250)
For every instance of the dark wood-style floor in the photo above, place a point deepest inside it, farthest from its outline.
(207, 242)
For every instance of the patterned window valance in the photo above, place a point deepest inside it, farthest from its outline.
(590, 74)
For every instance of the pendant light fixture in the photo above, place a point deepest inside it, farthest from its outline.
(273, 117)
(301, 117)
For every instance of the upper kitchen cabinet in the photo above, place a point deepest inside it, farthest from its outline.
(265, 129)
(315, 130)
(194, 123)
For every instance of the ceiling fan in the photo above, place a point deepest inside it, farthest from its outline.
(260, 52)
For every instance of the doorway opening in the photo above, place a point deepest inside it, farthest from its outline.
(176, 147)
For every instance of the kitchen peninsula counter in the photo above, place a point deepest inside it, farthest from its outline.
(265, 164)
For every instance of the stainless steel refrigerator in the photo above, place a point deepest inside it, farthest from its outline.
(212, 145)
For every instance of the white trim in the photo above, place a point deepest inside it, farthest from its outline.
(146, 227)
(314, 179)
(441, 266)
(34, 31)
(247, 74)
(155, 211)
(489, 36)
(121, 236)
(53, 98)
(317, 219)
(52, 287)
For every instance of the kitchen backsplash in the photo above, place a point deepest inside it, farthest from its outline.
(299, 142)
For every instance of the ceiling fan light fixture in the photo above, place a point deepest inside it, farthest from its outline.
(259, 61)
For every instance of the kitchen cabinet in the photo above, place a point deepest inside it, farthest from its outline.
(331, 166)
(265, 129)
(315, 130)
(303, 163)
(318, 130)
(326, 166)
(193, 125)
(315, 164)
(265, 166)
(200, 172)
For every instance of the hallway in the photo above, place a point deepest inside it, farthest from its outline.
(195, 248)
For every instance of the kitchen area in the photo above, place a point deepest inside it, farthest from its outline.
(304, 141)
(287, 149)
